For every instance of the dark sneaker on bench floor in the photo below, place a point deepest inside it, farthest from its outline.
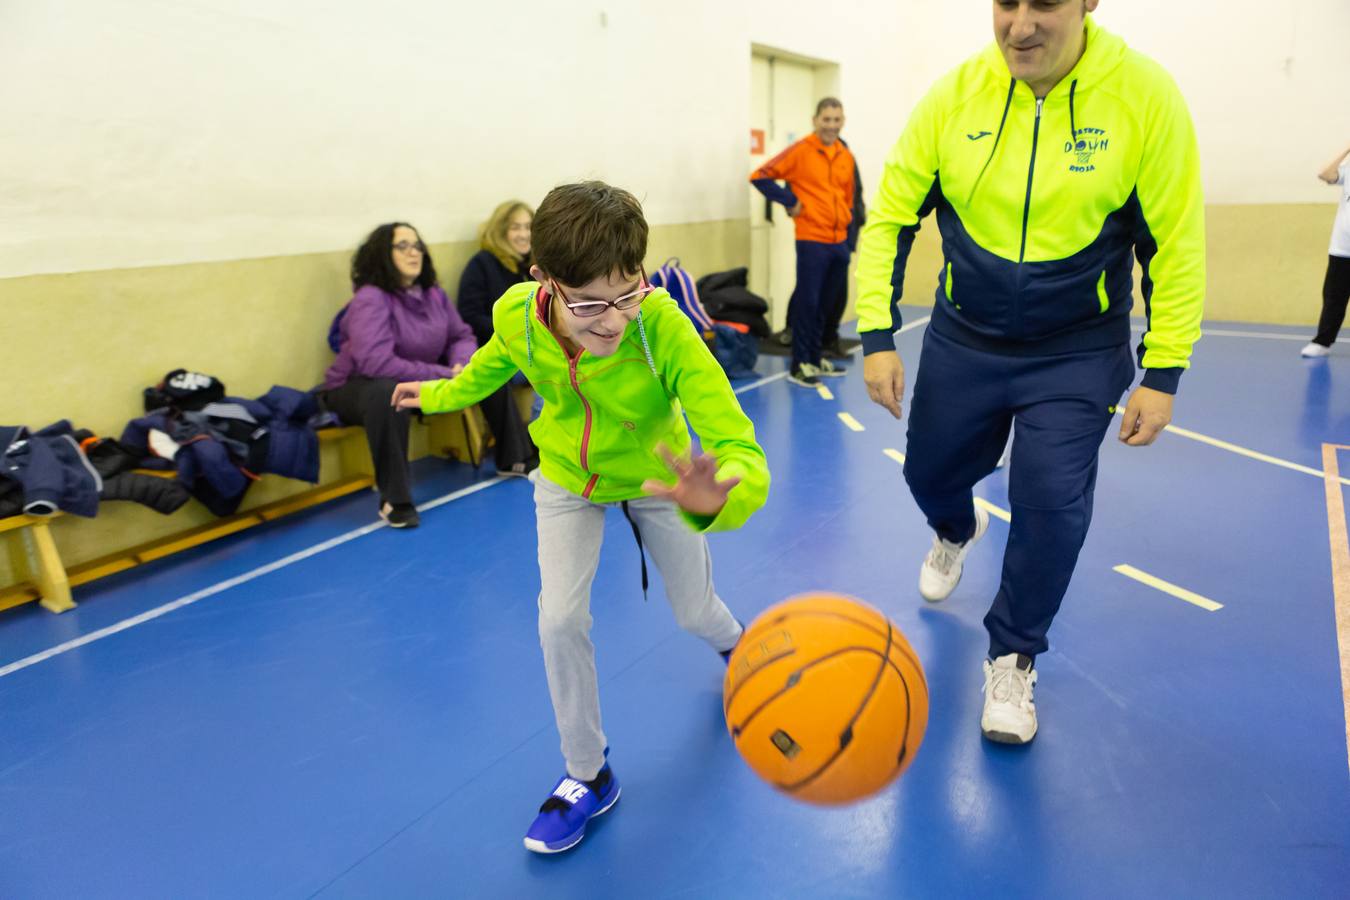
(400, 515)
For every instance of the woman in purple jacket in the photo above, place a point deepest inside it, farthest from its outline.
(399, 326)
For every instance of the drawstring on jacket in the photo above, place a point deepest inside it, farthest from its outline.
(1007, 104)
(1073, 128)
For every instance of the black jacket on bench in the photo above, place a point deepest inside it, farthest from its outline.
(46, 471)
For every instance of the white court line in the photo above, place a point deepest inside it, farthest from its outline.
(769, 379)
(763, 381)
(1242, 451)
(223, 586)
(1168, 587)
(997, 512)
(824, 392)
(851, 422)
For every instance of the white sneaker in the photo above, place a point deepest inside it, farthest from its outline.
(1009, 713)
(942, 566)
(1314, 350)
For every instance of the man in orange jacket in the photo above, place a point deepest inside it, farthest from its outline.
(819, 171)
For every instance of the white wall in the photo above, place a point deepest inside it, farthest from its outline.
(143, 132)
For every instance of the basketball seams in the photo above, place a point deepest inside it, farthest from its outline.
(804, 627)
(906, 650)
(862, 705)
(791, 683)
(731, 698)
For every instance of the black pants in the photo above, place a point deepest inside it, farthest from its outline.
(835, 301)
(365, 402)
(819, 268)
(1335, 294)
(509, 429)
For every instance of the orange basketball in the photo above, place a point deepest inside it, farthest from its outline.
(825, 699)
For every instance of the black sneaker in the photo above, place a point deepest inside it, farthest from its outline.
(834, 350)
(400, 515)
(804, 375)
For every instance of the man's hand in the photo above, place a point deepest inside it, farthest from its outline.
(456, 369)
(407, 395)
(1146, 415)
(884, 376)
(795, 211)
(696, 489)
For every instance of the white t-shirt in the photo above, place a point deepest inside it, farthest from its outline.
(1340, 232)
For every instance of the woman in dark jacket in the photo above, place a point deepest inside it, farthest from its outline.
(399, 326)
(504, 260)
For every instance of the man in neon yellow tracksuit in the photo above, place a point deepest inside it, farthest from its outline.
(1052, 160)
(619, 366)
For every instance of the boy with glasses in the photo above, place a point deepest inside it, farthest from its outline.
(619, 366)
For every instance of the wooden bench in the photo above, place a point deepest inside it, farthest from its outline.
(35, 561)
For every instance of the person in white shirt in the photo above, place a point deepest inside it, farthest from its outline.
(1336, 286)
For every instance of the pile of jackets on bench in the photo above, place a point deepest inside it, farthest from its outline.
(63, 469)
(216, 445)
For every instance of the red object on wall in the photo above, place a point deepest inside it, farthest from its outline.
(756, 140)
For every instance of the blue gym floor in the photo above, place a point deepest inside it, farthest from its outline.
(370, 719)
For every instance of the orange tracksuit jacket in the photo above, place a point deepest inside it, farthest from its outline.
(821, 178)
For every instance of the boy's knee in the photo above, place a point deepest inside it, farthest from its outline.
(689, 614)
(556, 625)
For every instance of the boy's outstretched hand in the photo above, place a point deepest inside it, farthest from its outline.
(407, 395)
(697, 489)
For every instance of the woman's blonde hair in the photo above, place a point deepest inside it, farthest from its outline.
(492, 236)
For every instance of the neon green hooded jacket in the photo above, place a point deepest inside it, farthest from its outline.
(1043, 206)
(604, 417)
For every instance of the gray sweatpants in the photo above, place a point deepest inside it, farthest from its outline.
(570, 532)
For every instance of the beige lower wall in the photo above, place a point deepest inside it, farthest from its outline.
(82, 346)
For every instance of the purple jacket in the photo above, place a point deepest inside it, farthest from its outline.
(414, 335)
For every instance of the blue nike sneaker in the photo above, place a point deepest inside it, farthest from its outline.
(561, 823)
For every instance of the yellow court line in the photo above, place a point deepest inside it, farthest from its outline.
(1168, 587)
(1241, 451)
(995, 511)
(850, 421)
(1340, 568)
(895, 455)
(824, 392)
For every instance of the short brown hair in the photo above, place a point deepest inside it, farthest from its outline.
(827, 102)
(589, 230)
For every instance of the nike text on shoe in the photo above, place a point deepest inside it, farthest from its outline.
(561, 823)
